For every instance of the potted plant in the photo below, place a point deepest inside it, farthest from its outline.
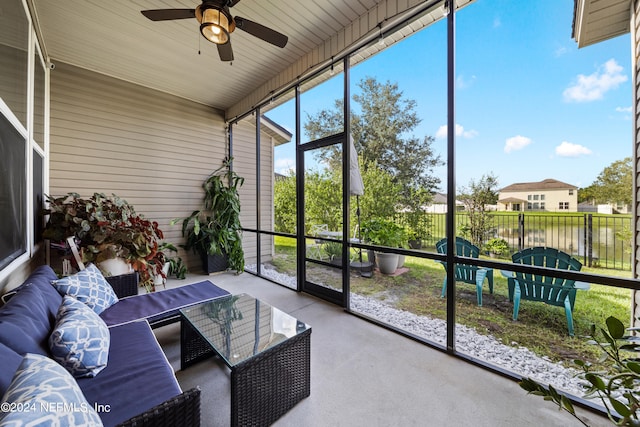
(384, 233)
(496, 247)
(333, 251)
(173, 265)
(107, 228)
(214, 232)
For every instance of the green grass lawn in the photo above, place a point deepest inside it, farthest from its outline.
(540, 327)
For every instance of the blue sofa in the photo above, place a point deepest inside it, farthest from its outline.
(138, 385)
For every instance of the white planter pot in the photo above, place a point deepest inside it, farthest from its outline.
(400, 261)
(387, 263)
(115, 267)
(159, 280)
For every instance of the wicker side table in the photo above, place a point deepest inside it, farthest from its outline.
(268, 376)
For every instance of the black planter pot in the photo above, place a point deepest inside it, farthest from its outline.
(415, 244)
(214, 263)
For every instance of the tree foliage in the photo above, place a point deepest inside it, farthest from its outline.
(381, 133)
(323, 198)
(475, 198)
(613, 185)
(284, 204)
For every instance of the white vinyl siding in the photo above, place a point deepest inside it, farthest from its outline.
(148, 147)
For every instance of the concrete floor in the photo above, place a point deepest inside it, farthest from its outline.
(365, 375)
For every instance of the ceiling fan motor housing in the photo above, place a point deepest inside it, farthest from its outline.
(216, 22)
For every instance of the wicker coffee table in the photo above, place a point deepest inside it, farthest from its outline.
(267, 350)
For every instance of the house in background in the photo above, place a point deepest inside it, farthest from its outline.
(605, 208)
(439, 204)
(549, 195)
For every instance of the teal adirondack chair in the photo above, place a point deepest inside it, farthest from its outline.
(471, 274)
(550, 290)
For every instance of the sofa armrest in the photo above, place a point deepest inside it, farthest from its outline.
(182, 410)
(124, 285)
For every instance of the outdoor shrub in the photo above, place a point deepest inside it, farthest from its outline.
(617, 387)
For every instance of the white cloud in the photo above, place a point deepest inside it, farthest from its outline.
(560, 51)
(284, 166)
(460, 132)
(515, 143)
(568, 149)
(463, 82)
(593, 87)
(623, 109)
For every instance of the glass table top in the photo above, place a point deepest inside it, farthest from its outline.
(239, 327)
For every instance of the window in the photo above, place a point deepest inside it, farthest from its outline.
(12, 193)
(563, 205)
(22, 161)
(529, 206)
(542, 205)
(536, 197)
(14, 51)
(536, 206)
(542, 197)
(528, 196)
(571, 192)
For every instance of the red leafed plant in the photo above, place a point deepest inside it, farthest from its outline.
(107, 227)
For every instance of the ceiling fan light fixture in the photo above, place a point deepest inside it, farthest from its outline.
(215, 24)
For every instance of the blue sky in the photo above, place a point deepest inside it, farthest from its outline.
(530, 105)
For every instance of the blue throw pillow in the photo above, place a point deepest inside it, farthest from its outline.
(80, 339)
(42, 393)
(90, 287)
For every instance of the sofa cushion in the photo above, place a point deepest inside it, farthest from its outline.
(160, 305)
(138, 376)
(80, 339)
(42, 393)
(88, 286)
(9, 362)
(27, 318)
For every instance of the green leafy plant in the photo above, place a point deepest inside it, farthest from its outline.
(106, 228)
(216, 229)
(617, 387)
(384, 233)
(497, 246)
(333, 250)
(177, 267)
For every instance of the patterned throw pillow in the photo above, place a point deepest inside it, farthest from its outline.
(80, 339)
(90, 287)
(42, 393)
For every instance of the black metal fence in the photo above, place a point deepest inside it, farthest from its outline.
(597, 240)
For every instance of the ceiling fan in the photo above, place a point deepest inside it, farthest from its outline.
(216, 24)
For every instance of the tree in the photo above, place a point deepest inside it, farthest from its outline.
(284, 203)
(380, 134)
(475, 198)
(613, 185)
(323, 198)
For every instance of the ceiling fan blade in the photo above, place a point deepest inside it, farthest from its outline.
(225, 51)
(233, 3)
(169, 14)
(261, 32)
